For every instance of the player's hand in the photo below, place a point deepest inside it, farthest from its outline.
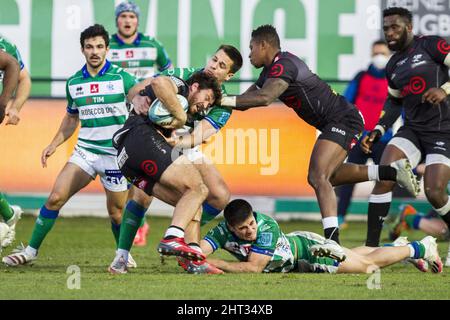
(46, 154)
(13, 116)
(141, 104)
(434, 96)
(177, 122)
(367, 141)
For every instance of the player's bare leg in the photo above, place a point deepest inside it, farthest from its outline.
(70, 180)
(325, 158)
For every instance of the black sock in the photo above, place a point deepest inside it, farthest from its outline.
(332, 233)
(375, 218)
(387, 173)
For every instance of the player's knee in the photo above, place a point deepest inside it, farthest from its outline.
(317, 179)
(219, 196)
(56, 200)
(436, 196)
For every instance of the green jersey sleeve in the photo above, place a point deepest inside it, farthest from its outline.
(217, 237)
(71, 106)
(267, 236)
(128, 80)
(11, 49)
(162, 59)
(218, 116)
(182, 73)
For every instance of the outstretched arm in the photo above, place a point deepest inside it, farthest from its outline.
(271, 90)
(255, 264)
(10, 79)
(22, 94)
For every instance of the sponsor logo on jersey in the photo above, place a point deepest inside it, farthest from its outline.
(79, 91)
(337, 130)
(115, 55)
(416, 60)
(129, 54)
(415, 86)
(110, 86)
(94, 88)
(443, 47)
(402, 62)
(265, 239)
(276, 70)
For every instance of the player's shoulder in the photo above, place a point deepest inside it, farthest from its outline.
(7, 45)
(147, 39)
(76, 76)
(265, 222)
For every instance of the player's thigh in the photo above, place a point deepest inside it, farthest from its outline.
(405, 144)
(327, 155)
(181, 175)
(70, 180)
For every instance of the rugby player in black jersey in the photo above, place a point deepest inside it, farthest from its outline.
(288, 78)
(418, 81)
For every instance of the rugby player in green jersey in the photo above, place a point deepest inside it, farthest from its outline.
(23, 88)
(257, 241)
(10, 71)
(138, 54)
(225, 62)
(97, 100)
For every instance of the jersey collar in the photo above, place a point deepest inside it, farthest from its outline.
(136, 41)
(99, 74)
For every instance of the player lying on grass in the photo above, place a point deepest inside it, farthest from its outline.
(258, 243)
(147, 160)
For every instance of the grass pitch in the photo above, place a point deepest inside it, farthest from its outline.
(88, 243)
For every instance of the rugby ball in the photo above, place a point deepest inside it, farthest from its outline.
(158, 113)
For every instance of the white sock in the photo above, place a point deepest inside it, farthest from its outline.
(372, 172)
(445, 209)
(330, 222)
(124, 253)
(196, 247)
(412, 251)
(176, 232)
(31, 251)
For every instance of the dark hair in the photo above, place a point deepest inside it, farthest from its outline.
(237, 211)
(206, 82)
(402, 12)
(234, 55)
(94, 31)
(379, 42)
(267, 33)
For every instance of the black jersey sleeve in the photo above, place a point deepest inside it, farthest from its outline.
(437, 47)
(391, 111)
(182, 86)
(283, 69)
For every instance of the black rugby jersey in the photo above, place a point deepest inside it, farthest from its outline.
(413, 72)
(311, 98)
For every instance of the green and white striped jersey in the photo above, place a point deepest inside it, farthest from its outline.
(11, 49)
(100, 102)
(217, 116)
(139, 58)
(269, 241)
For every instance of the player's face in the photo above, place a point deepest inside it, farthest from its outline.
(256, 55)
(396, 32)
(127, 23)
(219, 66)
(246, 230)
(95, 50)
(200, 100)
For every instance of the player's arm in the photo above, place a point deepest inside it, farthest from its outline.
(22, 94)
(166, 91)
(67, 128)
(255, 264)
(271, 90)
(10, 79)
(391, 111)
(202, 132)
